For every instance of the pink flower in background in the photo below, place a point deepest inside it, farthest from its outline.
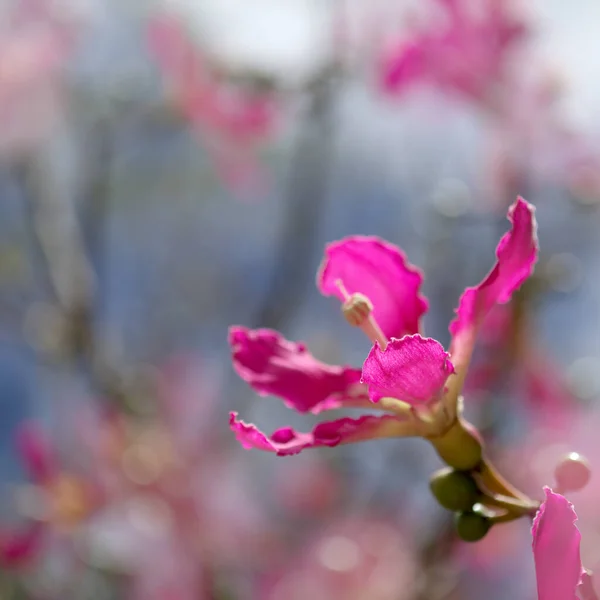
(231, 120)
(353, 558)
(403, 371)
(466, 52)
(509, 356)
(36, 39)
(547, 447)
(556, 542)
(308, 487)
(477, 50)
(172, 516)
(55, 502)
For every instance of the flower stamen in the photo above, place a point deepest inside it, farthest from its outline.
(357, 310)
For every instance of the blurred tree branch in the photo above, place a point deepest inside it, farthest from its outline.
(306, 199)
(73, 332)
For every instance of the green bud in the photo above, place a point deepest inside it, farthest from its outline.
(454, 490)
(471, 526)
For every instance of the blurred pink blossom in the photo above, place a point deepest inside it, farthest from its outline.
(308, 488)
(467, 51)
(55, 503)
(179, 505)
(36, 39)
(509, 355)
(477, 51)
(353, 558)
(232, 120)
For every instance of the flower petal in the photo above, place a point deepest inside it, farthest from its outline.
(18, 548)
(516, 256)
(36, 452)
(586, 588)
(287, 441)
(556, 542)
(413, 369)
(273, 365)
(380, 271)
(404, 65)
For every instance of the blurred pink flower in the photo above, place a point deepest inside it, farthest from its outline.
(354, 557)
(546, 448)
(467, 52)
(36, 38)
(477, 51)
(404, 371)
(232, 120)
(172, 516)
(19, 547)
(509, 355)
(308, 487)
(55, 503)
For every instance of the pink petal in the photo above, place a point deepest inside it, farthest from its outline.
(413, 369)
(516, 256)
(467, 54)
(19, 548)
(275, 366)
(556, 542)
(380, 271)
(586, 588)
(286, 441)
(205, 99)
(36, 452)
(546, 391)
(404, 66)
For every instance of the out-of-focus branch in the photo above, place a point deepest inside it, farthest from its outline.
(438, 578)
(54, 224)
(72, 332)
(97, 209)
(307, 196)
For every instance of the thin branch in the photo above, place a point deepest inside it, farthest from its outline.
(307, 196)
(58, 236)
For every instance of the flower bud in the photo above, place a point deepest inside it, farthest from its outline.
(454, 490)
(572, 473)
(471, 526)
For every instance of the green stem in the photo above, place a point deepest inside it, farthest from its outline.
(459, 446)
(510, 504)
(488, 477)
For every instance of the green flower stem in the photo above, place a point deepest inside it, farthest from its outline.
(512, 505)
(459, 446)
(488, 478)
(505, 517)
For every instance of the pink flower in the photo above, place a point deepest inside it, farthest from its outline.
(353, 557)
(509, 355)
(468, 53)
(405, 374)
(556, 541)
(61, 499)
(230, 118)
(36, 40)
(19, 547)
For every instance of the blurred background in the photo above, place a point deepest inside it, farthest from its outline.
(170, 168)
